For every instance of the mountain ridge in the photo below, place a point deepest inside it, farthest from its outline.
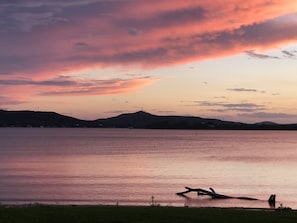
(139, 119)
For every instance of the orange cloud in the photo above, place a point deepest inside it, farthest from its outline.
(99, 87)
(20, 91)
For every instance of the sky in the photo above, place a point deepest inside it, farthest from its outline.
(229, 59)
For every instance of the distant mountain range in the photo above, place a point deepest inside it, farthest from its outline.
(140, 119)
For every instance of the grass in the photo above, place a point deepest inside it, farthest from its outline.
(125, 214)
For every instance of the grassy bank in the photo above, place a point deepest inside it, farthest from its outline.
(121, 214)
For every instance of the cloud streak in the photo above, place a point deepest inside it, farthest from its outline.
(70, 86)
(242, 89)
(252, 53)
(289, 54)
(224, 106)
(4, 101)
(245, 90)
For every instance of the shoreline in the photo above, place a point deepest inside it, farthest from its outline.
(130, 214)
(39, 204)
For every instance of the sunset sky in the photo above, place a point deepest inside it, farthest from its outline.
(228, 59)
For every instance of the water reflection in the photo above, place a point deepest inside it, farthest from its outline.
(105, 166)
(232, 202)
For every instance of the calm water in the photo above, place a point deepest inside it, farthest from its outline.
(128, 167)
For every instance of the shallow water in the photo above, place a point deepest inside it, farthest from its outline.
(129, 166)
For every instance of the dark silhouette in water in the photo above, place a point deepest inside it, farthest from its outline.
(271, 200)
(214, 195)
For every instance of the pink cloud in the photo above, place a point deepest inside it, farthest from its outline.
(42, 40)
(8, 101)
(97, 87)
(20, 91)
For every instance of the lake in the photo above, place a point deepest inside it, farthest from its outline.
(130, 166)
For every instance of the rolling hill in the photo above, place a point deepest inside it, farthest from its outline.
(138, 119)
